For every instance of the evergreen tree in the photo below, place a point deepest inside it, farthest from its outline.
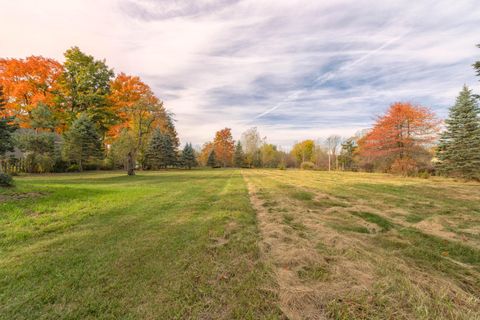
(212, 161)
(476, 65)
(161, 151)
(459, 147)
(188, 157)
(347, 154)
(239, 156)
(82, 142)
(6, 128)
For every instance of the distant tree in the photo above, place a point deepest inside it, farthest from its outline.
(212, 161)
(270, 155)
(459, 147)
(347, 153)
(239, 156)
(332, 143)
(84, 87)
(400, 135)
(207, 148)
(6, 128)
(303, 151)
(476, 65)
(168, 127)
(251, 143)
(188, 159)
(224, 146)
(160, 152)
(82, 142)
(320, 157)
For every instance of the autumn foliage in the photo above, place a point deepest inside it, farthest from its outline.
(402, 133)
(28, 83)
(224, 147)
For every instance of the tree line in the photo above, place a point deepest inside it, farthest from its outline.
(81, 115)
(407, 139)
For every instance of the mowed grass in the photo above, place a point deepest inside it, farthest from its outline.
(159, 245)
(371, 246)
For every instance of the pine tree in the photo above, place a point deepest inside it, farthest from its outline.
(154, 155)
(6, 128)
(212, 161)
(459, 147)
(82, 142)
(476, 65)
(188, 157)
(161, 151)
(239, 156)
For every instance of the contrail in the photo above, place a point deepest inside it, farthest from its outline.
(329, 75)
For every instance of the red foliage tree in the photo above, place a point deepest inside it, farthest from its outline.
(401, 133)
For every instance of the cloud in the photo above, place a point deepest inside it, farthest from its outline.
(294, 69)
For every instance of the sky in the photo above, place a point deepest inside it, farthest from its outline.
(293, 69)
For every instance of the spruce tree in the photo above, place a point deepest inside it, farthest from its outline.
(459, 147)
(239, 156)
(154, 155)
(212, 160)
(188, 157)
(82, 142)
(6, 128)
(161, 151)
(476, 65)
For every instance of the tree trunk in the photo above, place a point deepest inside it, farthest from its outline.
(130, 164)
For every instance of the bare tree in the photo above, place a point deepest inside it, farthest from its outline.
(251, 142)
(333, 143)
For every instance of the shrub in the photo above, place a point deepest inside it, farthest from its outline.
(405, 167)
(73, 168)
(424, 175)
(60, 166)
(44, 163)
(281, 166)
(307, 165)
(5, 180)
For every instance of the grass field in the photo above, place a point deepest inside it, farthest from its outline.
(250, 244)
(155, 246)
(370, 246)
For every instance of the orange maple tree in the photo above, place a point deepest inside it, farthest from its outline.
(28, 82)
(224, 146)
(400, 133)
(206, 150)
(135, 104)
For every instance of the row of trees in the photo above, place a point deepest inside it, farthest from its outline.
(404, 140)
(79, 115)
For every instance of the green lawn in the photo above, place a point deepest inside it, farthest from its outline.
(159, 245)
(239, 244)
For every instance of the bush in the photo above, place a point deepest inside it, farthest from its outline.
(60, 166)
(44, 164)
(73, 168)
(405, 167)
(307, 165)
(424, 175)
(281, 166)
(5, 180)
